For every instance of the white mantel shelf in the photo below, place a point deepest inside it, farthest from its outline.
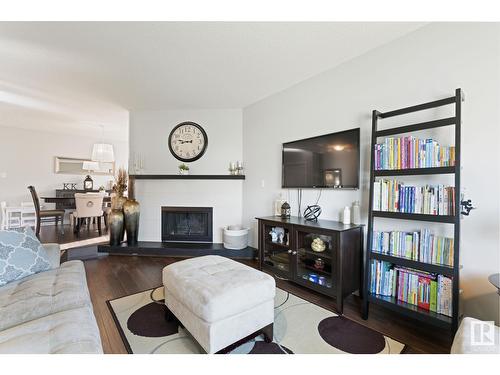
(186, 177)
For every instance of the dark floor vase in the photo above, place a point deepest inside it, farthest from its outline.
(116, 227)
(131, 211)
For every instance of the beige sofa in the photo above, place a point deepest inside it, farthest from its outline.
(49, 312)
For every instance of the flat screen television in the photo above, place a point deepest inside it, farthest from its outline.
(326, 161)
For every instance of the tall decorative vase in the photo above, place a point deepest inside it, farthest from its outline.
(131, 211)
(117, 202)
(116, 220)
(116, 227)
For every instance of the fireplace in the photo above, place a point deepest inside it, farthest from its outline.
(186, 224)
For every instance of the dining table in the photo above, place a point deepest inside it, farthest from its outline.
(70, 201)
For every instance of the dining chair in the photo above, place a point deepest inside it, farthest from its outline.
(28, 214)
(88, 206)
(46, 215)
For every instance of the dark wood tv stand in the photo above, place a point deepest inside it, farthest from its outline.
(336, 271)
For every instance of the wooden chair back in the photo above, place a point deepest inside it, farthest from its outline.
(36, 201)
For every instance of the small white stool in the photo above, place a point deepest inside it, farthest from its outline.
(220, 301)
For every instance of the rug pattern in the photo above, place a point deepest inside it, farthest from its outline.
(300, 327)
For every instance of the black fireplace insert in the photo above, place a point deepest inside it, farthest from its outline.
(186, 224)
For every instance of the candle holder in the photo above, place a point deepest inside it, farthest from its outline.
(239, 168)
(232, 168)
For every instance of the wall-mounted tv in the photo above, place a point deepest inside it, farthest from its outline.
(326, 161)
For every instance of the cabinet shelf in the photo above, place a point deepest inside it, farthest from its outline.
(405, 262)
(326, 288)
(310, 269)
(323, 254)
(278, 244)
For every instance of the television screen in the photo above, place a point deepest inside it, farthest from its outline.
(327, 161)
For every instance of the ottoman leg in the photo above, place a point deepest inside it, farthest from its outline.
(268, 333)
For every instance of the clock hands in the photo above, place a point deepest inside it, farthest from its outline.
(182, 142)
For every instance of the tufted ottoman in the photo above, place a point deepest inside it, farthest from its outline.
(219, 301)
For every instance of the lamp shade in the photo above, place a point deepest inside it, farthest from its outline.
(103, 152)
(90, 166)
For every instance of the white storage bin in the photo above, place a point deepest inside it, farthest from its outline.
(235, 237)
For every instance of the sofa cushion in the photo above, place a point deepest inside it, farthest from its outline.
(70, 331)
(214, 287)
(43, 294)
(21, 255)
(53, 253)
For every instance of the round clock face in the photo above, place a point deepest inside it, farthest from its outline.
(188, 141)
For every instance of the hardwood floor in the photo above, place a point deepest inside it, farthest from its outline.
(52, 233)
(111, 277)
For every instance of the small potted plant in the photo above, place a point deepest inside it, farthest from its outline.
(183, 169)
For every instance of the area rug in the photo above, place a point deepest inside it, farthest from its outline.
(300, 327)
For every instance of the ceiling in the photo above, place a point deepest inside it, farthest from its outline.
(95, 72)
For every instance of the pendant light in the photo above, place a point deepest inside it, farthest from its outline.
(103, 152)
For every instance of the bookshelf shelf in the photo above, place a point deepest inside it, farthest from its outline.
(405, 262)
(419, 107)
(391, 303)
(416, 127)
(417, 217)
(414, 171)
(412, 311)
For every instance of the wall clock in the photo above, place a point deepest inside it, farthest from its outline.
(187, 141)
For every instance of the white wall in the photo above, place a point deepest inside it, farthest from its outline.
(422, 66)
(149, 131)
(223, 195)
(27, 158)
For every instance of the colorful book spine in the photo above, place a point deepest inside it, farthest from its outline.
(422, 246)
(410, 152)
(426, 290)
(394, 196)
(433, 296)
(444, 295)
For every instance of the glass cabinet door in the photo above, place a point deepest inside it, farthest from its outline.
(277, 252)
(315, 259)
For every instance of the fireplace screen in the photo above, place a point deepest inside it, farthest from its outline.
(193, 224)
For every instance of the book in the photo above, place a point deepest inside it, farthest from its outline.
(444, 297)
(423, 289)
(422, 246)
(410, 152)
(424, 295)
(433, 296)
(395, 196)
